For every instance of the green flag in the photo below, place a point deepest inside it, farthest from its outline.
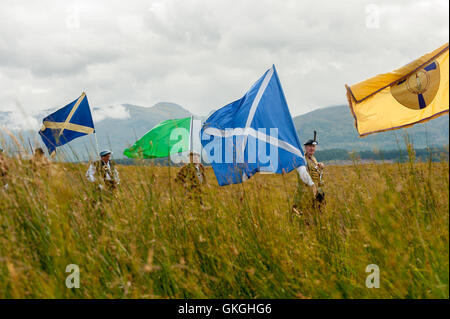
(166, 138)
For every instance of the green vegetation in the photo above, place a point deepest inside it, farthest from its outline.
(243, 241)
(334, 125)
(335, 128)
(398, 155)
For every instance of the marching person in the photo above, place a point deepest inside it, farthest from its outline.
(311, 175)
(3, 171)
(39, 161)
(104, 171)
(192, 175)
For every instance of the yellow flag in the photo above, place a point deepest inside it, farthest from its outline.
(411, 94)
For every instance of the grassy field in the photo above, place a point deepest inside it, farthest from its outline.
(152, 241)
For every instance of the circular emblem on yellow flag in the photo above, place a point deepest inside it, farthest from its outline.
(418, 89)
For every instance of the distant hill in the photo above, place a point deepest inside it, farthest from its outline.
(119, 134)
(334, 126)
(113, 132)
(336, 130)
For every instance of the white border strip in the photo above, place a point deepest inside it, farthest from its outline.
(262, 89)
(255, 104)
(256, 134)
(72, 112)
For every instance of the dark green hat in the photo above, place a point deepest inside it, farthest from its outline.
(312, 141)
(105, 152)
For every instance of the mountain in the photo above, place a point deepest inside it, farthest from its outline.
(120, 133)
(335, 128)
(119, 126)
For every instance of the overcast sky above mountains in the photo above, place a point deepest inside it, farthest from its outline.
(203, 54)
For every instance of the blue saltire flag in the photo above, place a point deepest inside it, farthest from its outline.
(238, 137)
(71, 121)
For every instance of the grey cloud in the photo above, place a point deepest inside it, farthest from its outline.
(204, 54)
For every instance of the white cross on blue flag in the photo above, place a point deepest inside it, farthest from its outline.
(253, 134)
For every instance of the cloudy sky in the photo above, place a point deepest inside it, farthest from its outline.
(204, 54)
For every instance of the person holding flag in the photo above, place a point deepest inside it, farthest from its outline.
(174, 138)
(192, 176)
(104, 171)
(171, 138)
(70, 122)
(39, 163)
(3, 170)
(315, 200)
(236, 141)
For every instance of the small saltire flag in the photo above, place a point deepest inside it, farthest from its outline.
(253, 134)
(71, 121)
(417, 92)
(165, 139)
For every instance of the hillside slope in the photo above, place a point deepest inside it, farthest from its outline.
(334, 126)
(336, 129)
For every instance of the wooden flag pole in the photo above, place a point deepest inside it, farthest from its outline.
(191, 141)
(96, 143)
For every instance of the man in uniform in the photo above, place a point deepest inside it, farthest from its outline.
(3, 171)
(192, 175)
(39, 161)
(311, 175)
(104, 171)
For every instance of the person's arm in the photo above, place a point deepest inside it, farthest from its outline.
(90, 174)
(116, 176)
(181, 176)
(202, 169)
(304, 175)
(3, 168)
(306, 178)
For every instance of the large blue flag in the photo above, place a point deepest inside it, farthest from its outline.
(71, 121)
(253, 134)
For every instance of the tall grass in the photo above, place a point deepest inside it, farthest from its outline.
(152, 241)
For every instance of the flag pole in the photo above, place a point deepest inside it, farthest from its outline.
(31, 147)
(191, 141)
(96, 144)
(201, 145)
(191, 137)
(95, 134)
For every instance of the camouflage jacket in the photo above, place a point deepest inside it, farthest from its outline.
(3, 167)
(191, 176)
(314, 170)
